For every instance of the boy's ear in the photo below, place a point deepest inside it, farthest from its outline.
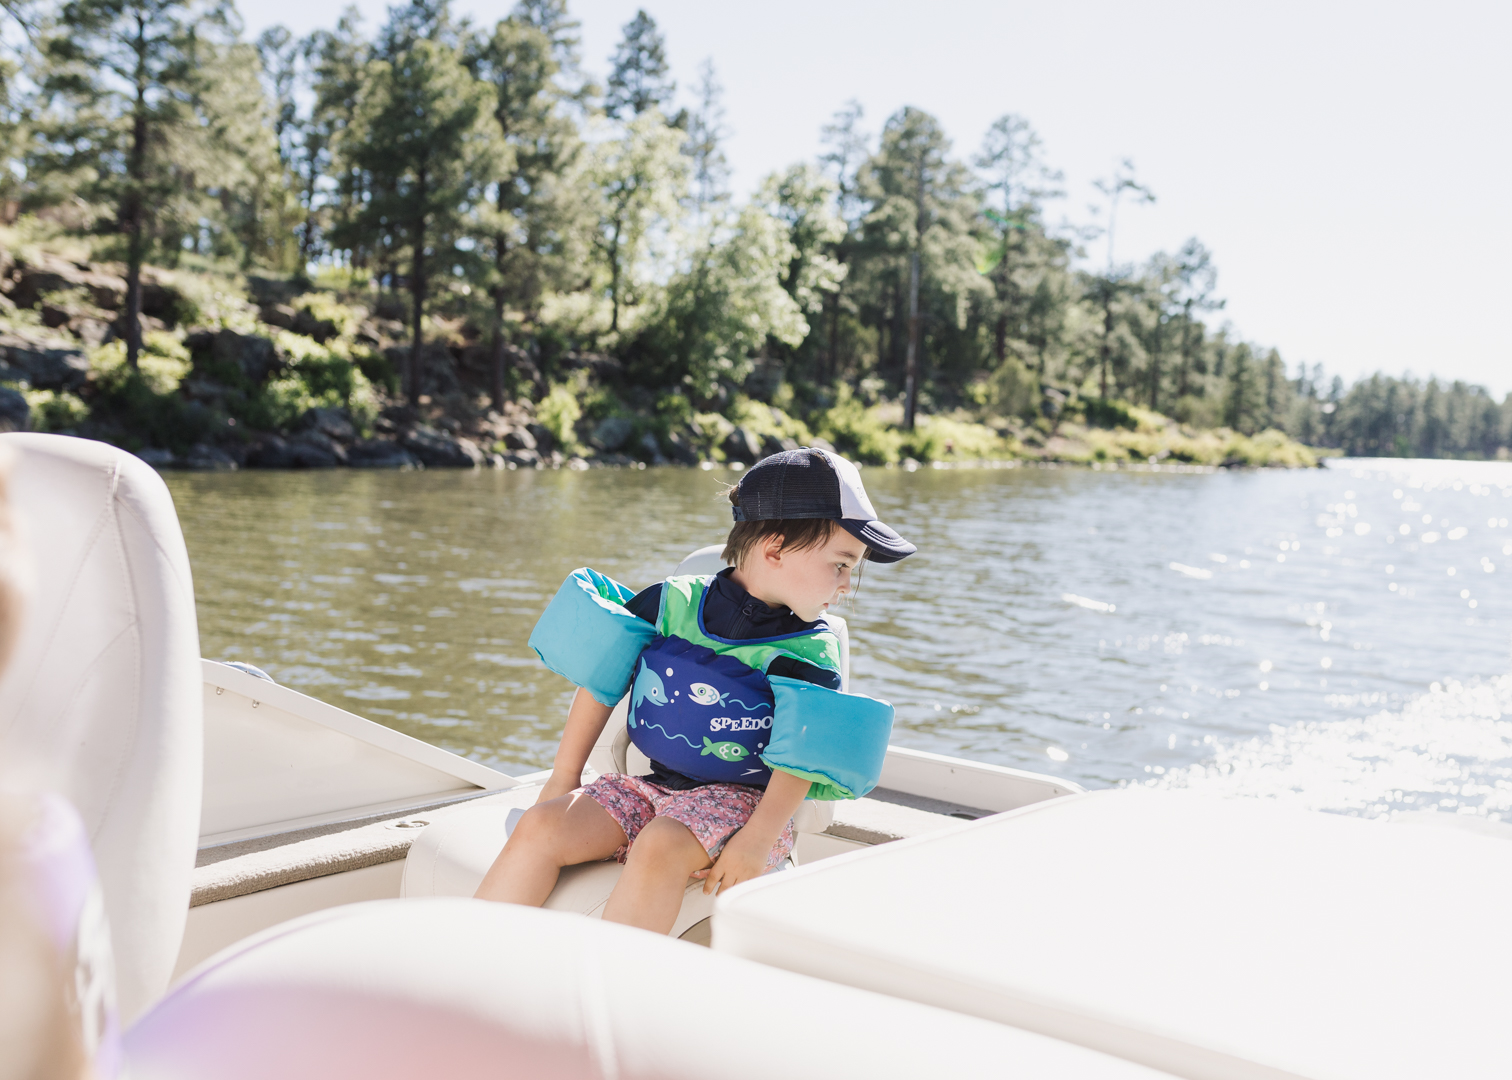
(771, 549)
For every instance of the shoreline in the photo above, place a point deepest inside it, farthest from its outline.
(578, 464)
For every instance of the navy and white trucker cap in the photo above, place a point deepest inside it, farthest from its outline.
(810, 483)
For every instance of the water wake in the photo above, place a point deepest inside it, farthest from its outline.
(1448, 750)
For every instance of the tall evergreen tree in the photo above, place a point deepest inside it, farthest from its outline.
(428, 145)
(1191, 283)
(1018, 182)
(709, 172)
(845, 152)
(640, 79)
(1115, 281)
(641, 176)
(125, 120)
(924, 209)
(539, 214)
(337, 60)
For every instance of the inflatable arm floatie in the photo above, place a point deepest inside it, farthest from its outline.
(586, 636)
(834, 740)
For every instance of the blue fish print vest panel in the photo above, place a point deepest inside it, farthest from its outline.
(706, 715)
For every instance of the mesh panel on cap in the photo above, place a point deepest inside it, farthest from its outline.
(792, 484)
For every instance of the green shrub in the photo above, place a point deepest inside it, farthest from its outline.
(939, 438)
(55, 410)
(559, 412)
(768, 420)
(1198, 412)
(278, 404)
(859, 432)
(1011, 390)
(131, 403)
(215, 301)
(162, 364)
(709, 431)
(324, 307)
(1270, 447)
(1109, 413)
(377, 369)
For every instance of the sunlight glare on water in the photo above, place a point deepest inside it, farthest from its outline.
(1277, 634)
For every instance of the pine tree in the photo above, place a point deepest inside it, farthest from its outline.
(709, 172)
(1018, 182)
(1115, 282)
(846, 151)
(639, 80)
(337, 60)
(540, 214)
(923, 208)
(428, 148)
(124, 121)
(641, 176)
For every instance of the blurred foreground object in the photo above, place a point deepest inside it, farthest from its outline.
(102, 699)
(461, 988)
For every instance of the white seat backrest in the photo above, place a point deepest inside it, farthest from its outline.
(102, 700)
(706, 560)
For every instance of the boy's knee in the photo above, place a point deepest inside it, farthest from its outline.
(537, 826)
(667, 841)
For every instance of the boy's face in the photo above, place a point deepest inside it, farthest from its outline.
(811, 580)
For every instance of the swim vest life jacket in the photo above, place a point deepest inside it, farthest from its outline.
(704, 705)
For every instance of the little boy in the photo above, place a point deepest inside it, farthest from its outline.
(735, 697)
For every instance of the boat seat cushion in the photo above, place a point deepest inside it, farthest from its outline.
(451, 855)
(1203, 936)
(102, 701)
(396, 989)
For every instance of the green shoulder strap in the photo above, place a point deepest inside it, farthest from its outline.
(681, 599)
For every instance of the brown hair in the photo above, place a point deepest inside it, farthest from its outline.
(798, 534)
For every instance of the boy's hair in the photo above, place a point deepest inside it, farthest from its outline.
(798, 534)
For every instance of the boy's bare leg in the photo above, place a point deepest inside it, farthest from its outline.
(564, 831)
(650, 891)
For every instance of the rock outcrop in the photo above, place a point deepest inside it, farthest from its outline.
(438, 449)
(44, 363)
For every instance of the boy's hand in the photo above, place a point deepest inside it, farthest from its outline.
(744, 857)
(559, 784)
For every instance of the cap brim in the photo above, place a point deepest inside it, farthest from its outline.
(886, 546)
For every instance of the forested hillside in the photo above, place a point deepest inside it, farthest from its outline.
(433, 240)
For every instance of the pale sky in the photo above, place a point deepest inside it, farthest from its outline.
(1347, 163)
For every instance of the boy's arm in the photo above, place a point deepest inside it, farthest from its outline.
(585, 722)
(745, 854)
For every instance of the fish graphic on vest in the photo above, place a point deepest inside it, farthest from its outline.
(704, 694)
(724, 751)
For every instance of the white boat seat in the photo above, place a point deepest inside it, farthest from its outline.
(391, 990)
(102, 699)
(450, 856)
(1205, 937)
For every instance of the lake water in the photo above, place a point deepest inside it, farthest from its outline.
(1337, 637)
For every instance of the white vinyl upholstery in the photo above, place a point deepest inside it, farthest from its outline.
(462, 989)
(1208, 938)
(451, 855)
(102, 700)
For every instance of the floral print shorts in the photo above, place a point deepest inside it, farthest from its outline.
(712, 813)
